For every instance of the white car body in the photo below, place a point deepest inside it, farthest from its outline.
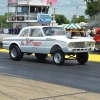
(41, 40)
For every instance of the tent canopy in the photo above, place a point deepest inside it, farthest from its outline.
(72, 25)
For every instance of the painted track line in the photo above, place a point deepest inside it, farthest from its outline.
(92, 57)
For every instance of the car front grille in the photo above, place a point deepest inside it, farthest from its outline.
(79, 45)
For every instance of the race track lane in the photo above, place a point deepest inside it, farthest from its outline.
(92, 57)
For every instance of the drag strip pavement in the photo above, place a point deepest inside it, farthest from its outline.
(86, 77)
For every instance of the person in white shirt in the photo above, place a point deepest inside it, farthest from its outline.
(88, 31)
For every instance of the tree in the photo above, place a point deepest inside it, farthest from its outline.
(61, 19)
(93, 7)
(3, 22)
(78, 20)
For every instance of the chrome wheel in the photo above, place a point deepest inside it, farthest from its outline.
(13, 52)
(58, 57)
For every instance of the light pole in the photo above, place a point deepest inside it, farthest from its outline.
(54, 15)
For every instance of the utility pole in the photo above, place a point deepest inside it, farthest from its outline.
(54, 13)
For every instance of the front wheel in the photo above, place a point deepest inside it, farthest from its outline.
(82, 57)
(58, 58)
(15, 53)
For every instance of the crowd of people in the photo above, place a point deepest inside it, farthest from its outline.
(86, 32)
(12, 31)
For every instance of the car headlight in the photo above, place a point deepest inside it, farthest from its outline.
(90, 44)
(71, 45)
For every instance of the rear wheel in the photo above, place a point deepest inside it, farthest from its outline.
(58, 58)
(82, 57)
(40, 56)
(15, 53)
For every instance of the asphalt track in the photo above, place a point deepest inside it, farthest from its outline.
(30, 79)
(92, 57)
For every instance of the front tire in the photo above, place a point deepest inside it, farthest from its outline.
(82, 57)
(15, 53)
(58, 57)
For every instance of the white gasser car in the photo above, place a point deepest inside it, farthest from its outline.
(44, 40)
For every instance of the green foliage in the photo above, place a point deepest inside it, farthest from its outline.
(3, 22)
(61, 19)
(93, 7)
(78, 20)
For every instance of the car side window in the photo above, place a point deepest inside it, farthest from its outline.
(50, 32)
(35, 33)
(24, 33)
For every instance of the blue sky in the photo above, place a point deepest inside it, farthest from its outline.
(65, 7)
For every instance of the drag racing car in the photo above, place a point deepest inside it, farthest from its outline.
(44, 40)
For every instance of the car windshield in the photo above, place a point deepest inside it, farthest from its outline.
(53, 31)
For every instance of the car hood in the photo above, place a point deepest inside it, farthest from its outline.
(72, 39)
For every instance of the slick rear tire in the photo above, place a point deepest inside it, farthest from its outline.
(15, 53)
(82, 57)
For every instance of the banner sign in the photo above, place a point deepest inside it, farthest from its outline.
(50, 2)
(11, 18)
(44, 18)
(22, 1)
(20, 18)
(12, 1)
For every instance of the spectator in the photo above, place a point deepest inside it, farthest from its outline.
(87, 33)
(73, 32)
(17, 30)
(91, 34)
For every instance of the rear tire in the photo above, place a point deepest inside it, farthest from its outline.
(82, 57)
(58, 57)
(15, 53)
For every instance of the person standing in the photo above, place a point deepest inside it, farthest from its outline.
(87, 33)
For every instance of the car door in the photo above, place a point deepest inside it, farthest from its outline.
(23, 38)
(36, 40)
